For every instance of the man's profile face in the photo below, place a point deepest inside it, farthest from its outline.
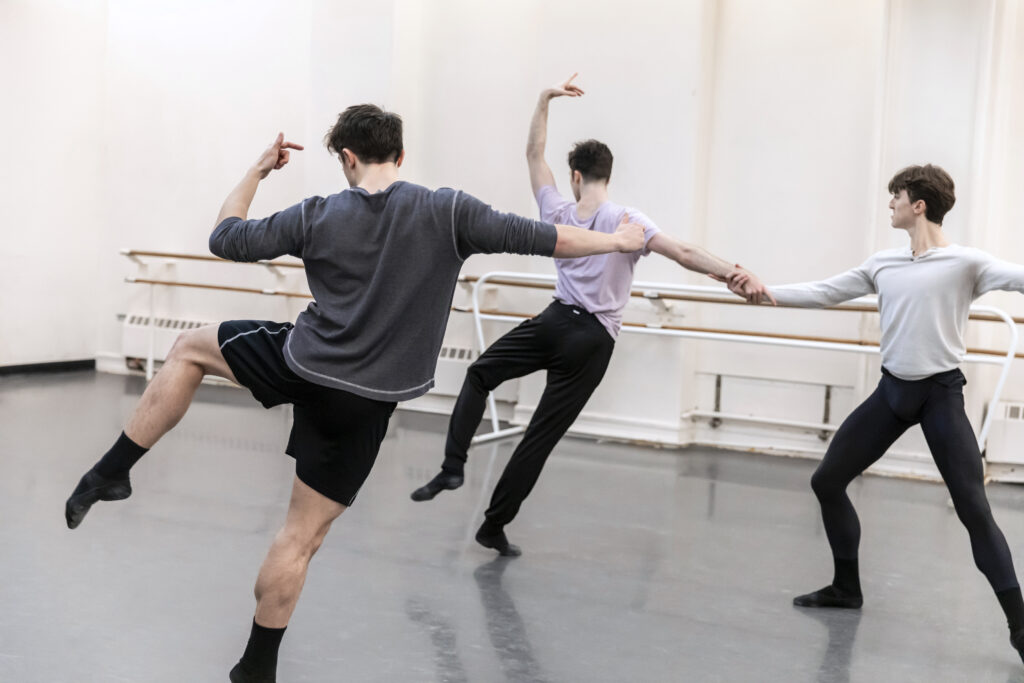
(902, 209)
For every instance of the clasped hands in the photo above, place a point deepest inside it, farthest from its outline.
(743, 283)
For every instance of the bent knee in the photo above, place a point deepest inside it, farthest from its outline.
(974, 511)
(477, 376)
(303, 542)
(192, 344)
(199, 346)
(825, 487)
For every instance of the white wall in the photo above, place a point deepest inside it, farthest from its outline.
(51, 207)
(763, 131)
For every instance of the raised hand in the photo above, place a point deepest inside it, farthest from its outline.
(276, 156)
(631, 235)
(566, 89)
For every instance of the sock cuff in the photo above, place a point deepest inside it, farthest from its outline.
(266, 630)
(125, 441)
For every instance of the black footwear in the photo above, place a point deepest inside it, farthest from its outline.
(1017, 640)
(240, 675)
(498, 541)
(92, 488)
(829, 596)
(443, 481)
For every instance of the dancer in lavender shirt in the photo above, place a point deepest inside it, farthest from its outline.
(573, 338)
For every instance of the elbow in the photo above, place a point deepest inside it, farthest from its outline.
(215, 248)
(216, 244)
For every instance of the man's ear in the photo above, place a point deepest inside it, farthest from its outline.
(348, 158)
(577, 177)
(400, 159)
(920, 206)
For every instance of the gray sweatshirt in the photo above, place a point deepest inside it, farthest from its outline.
(923, 302)
(382, 269)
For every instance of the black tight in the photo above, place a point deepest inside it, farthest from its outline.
(937, 403)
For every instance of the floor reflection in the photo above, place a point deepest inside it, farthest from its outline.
(842, 625)
(505, 627)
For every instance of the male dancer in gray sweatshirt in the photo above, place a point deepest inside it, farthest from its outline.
(382, 259)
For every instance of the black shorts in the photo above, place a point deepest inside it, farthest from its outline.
(335, 434)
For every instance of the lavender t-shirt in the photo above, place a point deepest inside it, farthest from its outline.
(599, 284)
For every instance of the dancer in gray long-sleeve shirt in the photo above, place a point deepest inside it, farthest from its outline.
(382, 259)
(924, 297)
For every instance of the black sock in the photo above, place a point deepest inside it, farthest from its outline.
(1013, 607)
(847, 576)
(121, 457)
(260, 656)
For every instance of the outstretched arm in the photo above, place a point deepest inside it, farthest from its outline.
(853, 283)
(998, 274)
(479, 229)
(540, 172)
(575, 242)
(700, 260)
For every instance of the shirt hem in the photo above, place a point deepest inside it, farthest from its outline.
(352, 388)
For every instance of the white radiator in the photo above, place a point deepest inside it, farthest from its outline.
(1006, 438)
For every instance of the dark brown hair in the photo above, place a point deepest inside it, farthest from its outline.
(369, 132)
(929, 183)
(592, 159)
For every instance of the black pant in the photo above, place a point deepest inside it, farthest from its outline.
(574, 348)
(937, 403)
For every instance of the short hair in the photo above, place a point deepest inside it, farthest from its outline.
(929, 183)
(592, 159)
(369, 132)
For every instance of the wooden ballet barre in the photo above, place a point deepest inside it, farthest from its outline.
(738, 333)
(222, 288)
(735, 301)
(130, 253)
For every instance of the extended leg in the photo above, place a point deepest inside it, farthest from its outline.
(955, 449)
(281, 578)
(520, 352)
(164, 402)
(566, 393)
(860, 441)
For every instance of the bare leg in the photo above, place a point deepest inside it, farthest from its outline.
(195, 353)
(283, 573)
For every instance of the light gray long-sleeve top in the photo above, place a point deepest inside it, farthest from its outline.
(924, 301)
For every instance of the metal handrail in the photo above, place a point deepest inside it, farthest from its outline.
(530, 279)
(868, 303)
(134, 255)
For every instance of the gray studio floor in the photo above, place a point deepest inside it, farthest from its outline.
(639, 564)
